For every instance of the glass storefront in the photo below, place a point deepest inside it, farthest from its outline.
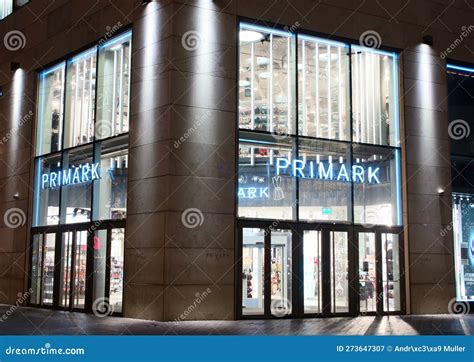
(319, 145)
(81, 168)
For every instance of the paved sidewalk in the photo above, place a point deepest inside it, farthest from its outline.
(36, 321)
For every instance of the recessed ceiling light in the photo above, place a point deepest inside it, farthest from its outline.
(250, 36)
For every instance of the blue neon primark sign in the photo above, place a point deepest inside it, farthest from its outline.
(328, 171)
(74, 175)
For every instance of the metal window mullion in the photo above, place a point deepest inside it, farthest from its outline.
(329, 114)
(114, 91)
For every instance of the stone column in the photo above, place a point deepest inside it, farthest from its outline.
(181, 198)
(428, 181)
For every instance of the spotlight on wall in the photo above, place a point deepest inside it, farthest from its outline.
(16, 196)
(440, 192)
(144, 2)
(428, 40)
(1, 91)
(14, 66)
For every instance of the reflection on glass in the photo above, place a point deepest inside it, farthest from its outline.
(391, 272)
(110, 191)
(99, 247)
(113, 87)
(281, 273)
(323, 99)
(76, 199)
(65, 269)
(339, 272)
(320, 198)
(36, 262)
(367, 273)
(312, 271)
(377, 203)
(50, 110)
(261, 192)
(267, 84)
(116, 269)
(48, 270)
(80, 98)
(374, 91)
(80, 259)
(253, 256)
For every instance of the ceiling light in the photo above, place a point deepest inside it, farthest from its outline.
(250, 36)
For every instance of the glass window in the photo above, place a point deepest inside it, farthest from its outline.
(263, 191)
(253, 272)
(463, 222)
(113, 88)
(266, 83)
(323, 99)
(374, 97)
(110, 191)
(324, 180)
(50, 110)
(46, 202)
(376, 176)
(80, 99)
(99, 246)
(79, 170)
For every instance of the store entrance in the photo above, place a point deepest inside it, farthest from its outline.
(379, 272)
(77, 268)
(309, 270)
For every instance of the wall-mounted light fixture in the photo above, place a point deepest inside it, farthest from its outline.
(14, 66)
(428, 40)
(16, 196)
(440, 192)
(145, 2)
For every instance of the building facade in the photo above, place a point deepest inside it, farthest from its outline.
(178, 160)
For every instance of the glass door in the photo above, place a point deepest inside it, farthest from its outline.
(253, 271)
(367, 272)
(281, 273)
(380, 282)
(312, 272)
(339, 271)
(47, 269)
(80, 264)
(65, 269)
(116, 269)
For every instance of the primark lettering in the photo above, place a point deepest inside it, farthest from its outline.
(75, 175)
(327, 171)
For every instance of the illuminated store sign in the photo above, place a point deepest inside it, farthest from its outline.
(74, 175)
(327, 171)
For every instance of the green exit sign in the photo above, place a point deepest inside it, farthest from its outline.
(327, 211)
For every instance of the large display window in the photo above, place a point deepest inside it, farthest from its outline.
(301, 155)
(318, 161)
(81, 171)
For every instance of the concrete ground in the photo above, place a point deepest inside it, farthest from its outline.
(34, 321)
